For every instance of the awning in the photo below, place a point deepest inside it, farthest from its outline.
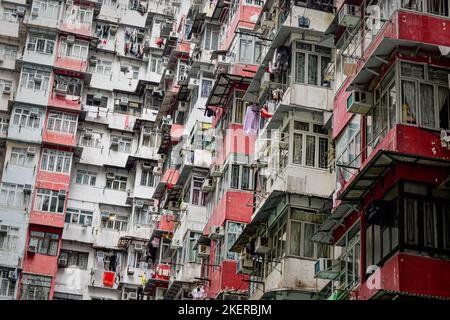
(221, 89)
(220, 7)
(170, 177)
(267, 208)
(176, 132)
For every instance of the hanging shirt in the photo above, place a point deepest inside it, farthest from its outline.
(251, 120)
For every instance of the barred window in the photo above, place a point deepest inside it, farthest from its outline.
(56, 161)
(49, 201)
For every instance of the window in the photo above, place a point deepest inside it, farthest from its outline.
(45, 242)
(66, 296)
(76, 51)
(148, 179)
(34, 79)
(115, 222)
(35, 287)
(304, 224)
(7, 287)
(90, 139)
(56, 161)
(84, 15)
(40, 44)
(4, 123)
(86, 177)
(9, 236)
(91, 101)
(212, 35)
(49, 201)
(310, 145)
(143, 216)
(5, 83)
(189, 253)
(48, 9)
(8, 51)
(310, 64)
(26, 118)
(121, 144)
(198, 196)
(78, 216)
(9, 15)
(206, 87)
(102, 67)
(278, 237)
(62, 122)
(250, 50)
(20, 158)
(350, 258)
(240, 107)
(233, 230)
(218, 254)
(116, 183)
(11, 195)
(73, 84)
(151, 140)
(74, 259)
(156, 65)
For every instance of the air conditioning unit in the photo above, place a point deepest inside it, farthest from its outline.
(100, 254)
(110, 175)
(123, 101)
(132, 296)
(138, 247)
(114, 141)
(267, 20)
(31, 150)
(359, 102)
(105, 214)
(27, 189)
(35, 12)
(88, 133)
(245, 264)
(349, 16)
(70, 38)
(31, 248)
(62, 194)
(93, 60)
(97, 97)
(173, 205)
(139, 203)
(7, 90)
(61, 88)
(20, 11)
(130, 271)
(182, 106)
(147, 167)
(34, 112)
(216, 171)
(193, 83)
(62, 261)
(208, 185)
(216, 232)
(141, 33)
(157, 171)
(303, 22)
(37, 78)
(203, 251)
(161, 158)
(113, 28)
(156, 217)
(327, 268)
(262, 245)
(13, 274)
(147, 131)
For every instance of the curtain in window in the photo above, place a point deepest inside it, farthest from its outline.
(310, 150)
(297, 150)
(308, 249)
(300, 63)
(295, 238)
(444, 110)
(313, 65)
(408, 102)
(427, 106)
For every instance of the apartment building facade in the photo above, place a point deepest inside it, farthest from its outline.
(238, 149)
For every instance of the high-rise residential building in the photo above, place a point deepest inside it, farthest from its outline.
(213, 149)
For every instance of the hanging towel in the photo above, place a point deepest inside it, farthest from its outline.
(251, 120)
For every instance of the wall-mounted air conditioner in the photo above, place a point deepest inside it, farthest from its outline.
(31, 248)
(157, 171)
(203, 251)
(61, 88)
(267, 19)
(245, 264)
(216, 232)
(208, 185)
(123, 101)
(114, 141)
(193, 82)
(146, 167)
(139, 203)
(62, 194)
(262, 245)
(7, 90)
(70, 38)
(359, 102)
(182, 106)
(31, 150)
(113, 28)
(62, 261)
(138, 247)
(20, 11)
(349, 16)
(110, 175)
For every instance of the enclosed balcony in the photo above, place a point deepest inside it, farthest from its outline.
(61, 129)
(72, 54)
(40, 48)
(9, 24)
(49, 207)
(66, 91)
(45, 13)
(34, 85)
(8, 55)
(77, 19)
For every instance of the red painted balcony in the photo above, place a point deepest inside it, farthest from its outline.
(167, 223)
(72, 64)
(176, 132)
(234, 206)
(47, 218)
(226, 278)
(162, 272)
(60, 129)
(64, 102)
(59, 138)
(52, 180)
(40, 264)
(402, 144)
(408, 274)
(72, 21)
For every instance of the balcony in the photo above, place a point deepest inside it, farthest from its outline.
(47, 219)
(404, 144)
(71, 22)
(133, 276)
(59, 138)
(7, 62)
(43, 16)
(37, 94)
(68, 63)
(410, 275)
(9, 28)
(64, 97)
(104, 279)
